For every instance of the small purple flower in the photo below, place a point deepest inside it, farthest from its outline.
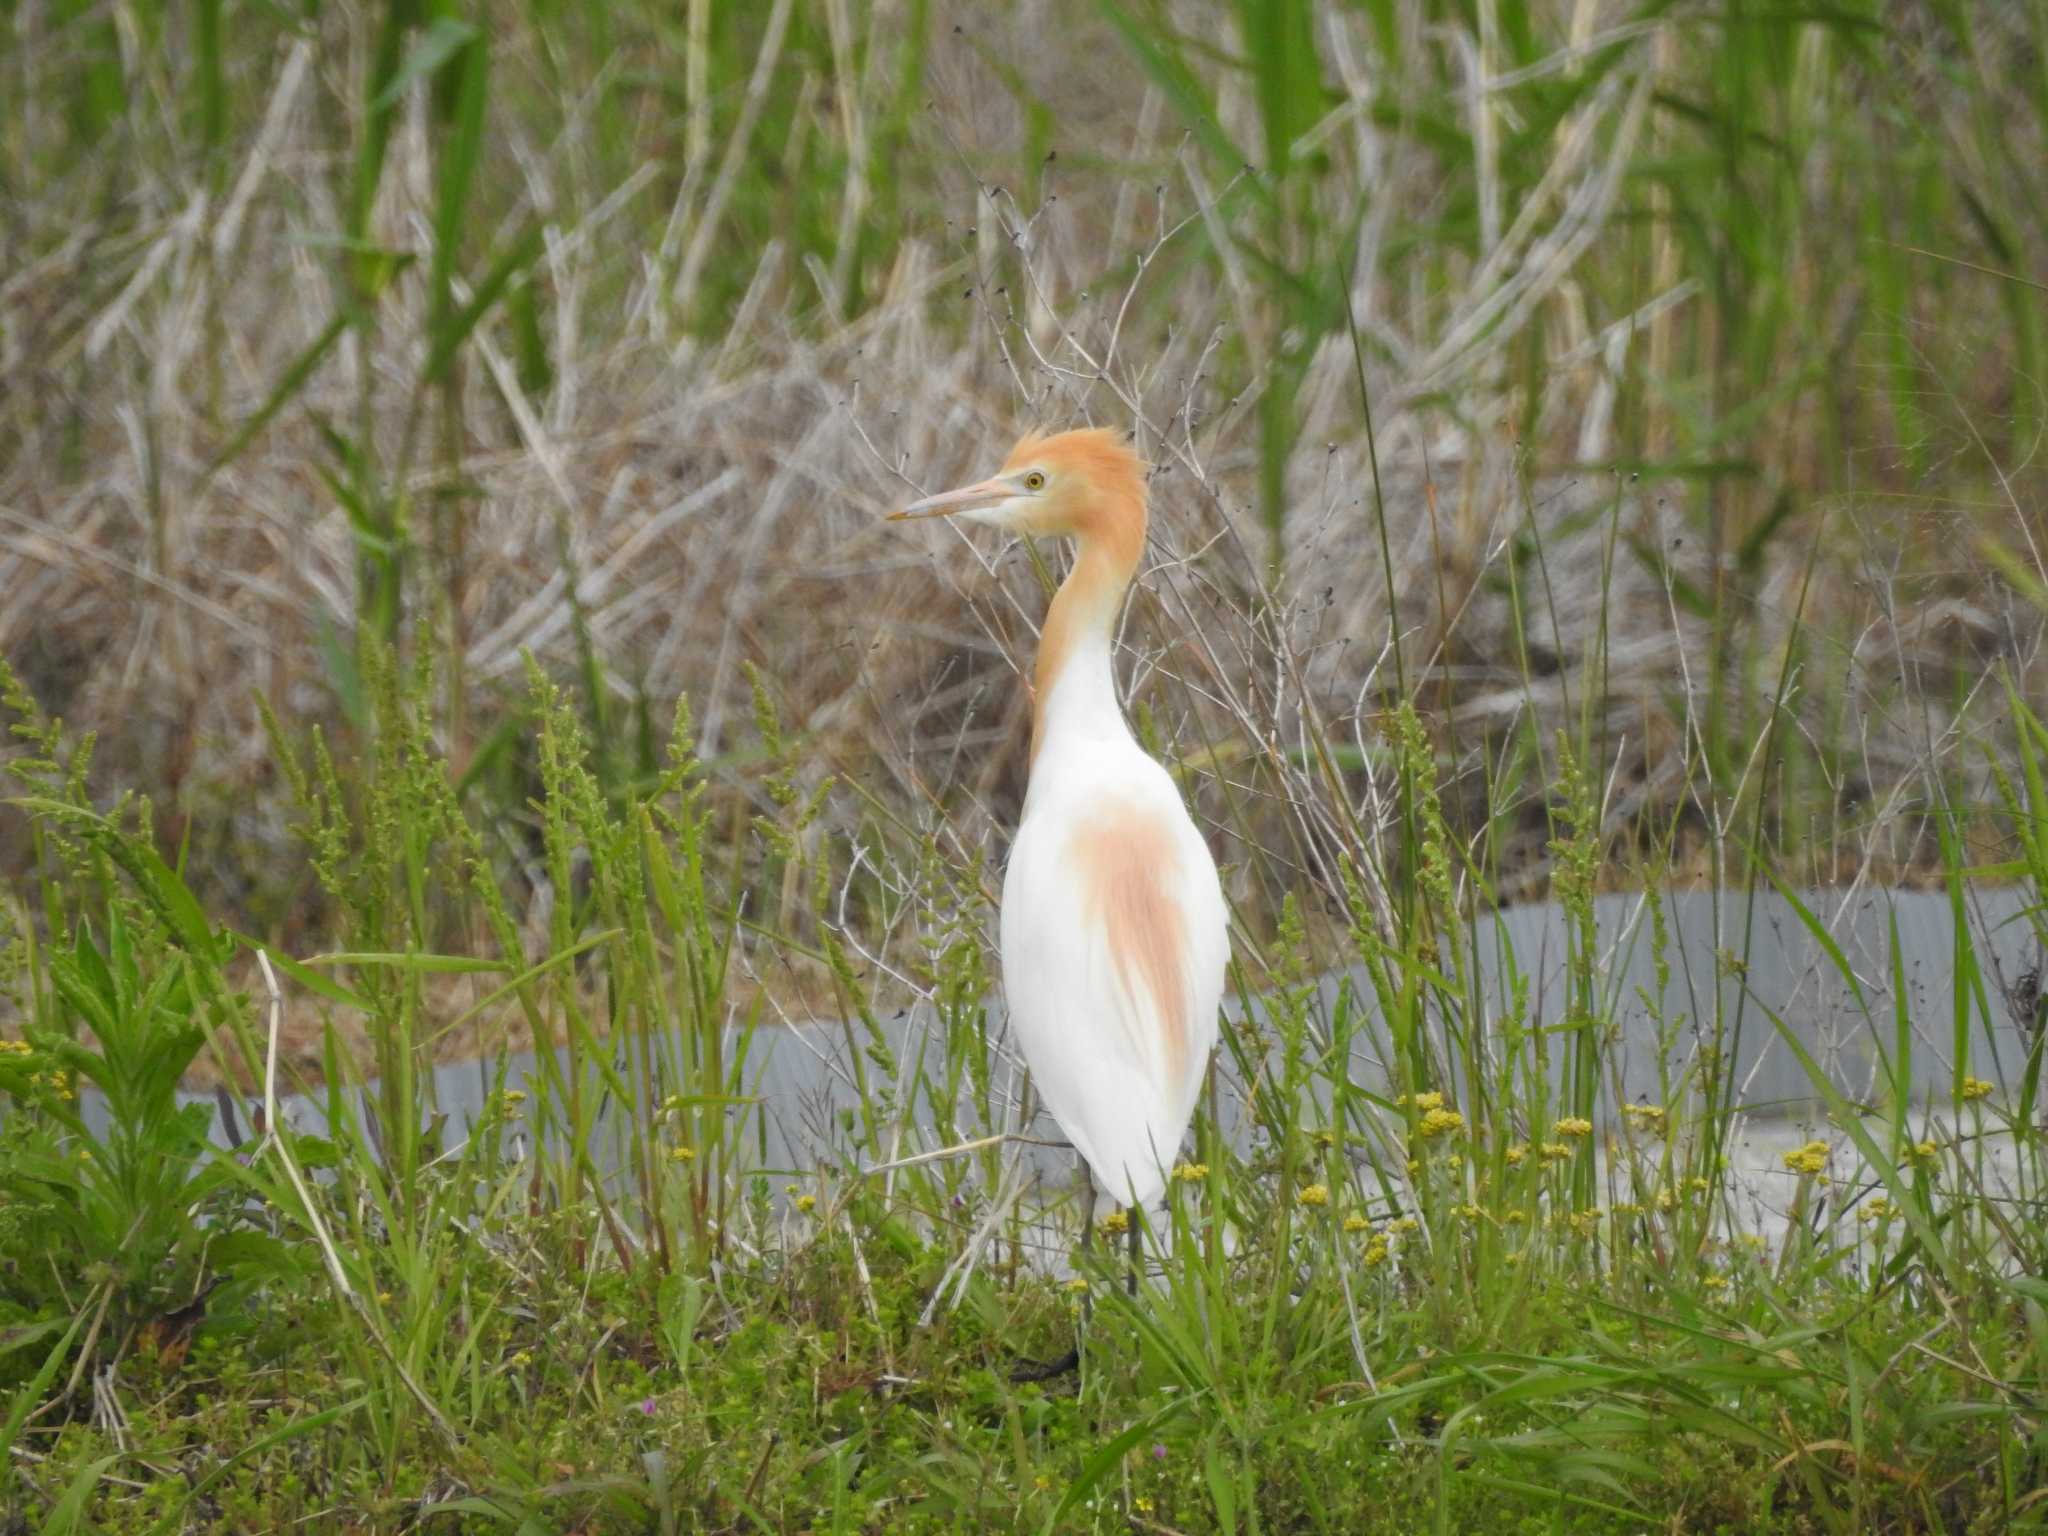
(647, 1406)
(1158, 1451)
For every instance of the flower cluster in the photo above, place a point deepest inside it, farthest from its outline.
(1876, 1209)
(56, 1082)
(1572, 1125)
(1191, 1173)
(1313, 1194)
(1116, 1221)
(1811, 1158)
(1976, 1088)
(1647, 1117)
(1440, 1122)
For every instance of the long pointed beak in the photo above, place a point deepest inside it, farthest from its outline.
(985, 493)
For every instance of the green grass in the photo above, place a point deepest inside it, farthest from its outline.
(1616, 477)
(1436, 1306)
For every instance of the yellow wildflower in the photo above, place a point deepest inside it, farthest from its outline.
(1714, 1282)
(1811, 1158)
(1325, 1140)
(1142, 1505)
(1649, 1117)
(1440, 1122)
(522, 1358)
(1376, 1253)
(1876, 1209)
(1191, 1173)
(1515, 1218)
(1572, 1125)
(1314, 1194)
(1976, 1088)
(1923, 1151)
(1078, 1284)
(1515, 1154)
(1356, 1223)
(1554, 1151)
(1698, 1185)
(1423, 1101)
(806, 1202)
(682, 1154)
(1468, 1213)
(515, 1095)
(1405, 1224)
(1116, 1221)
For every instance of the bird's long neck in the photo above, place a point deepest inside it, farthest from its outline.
(1075, 693)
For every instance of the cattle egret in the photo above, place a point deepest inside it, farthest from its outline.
(1113, 926)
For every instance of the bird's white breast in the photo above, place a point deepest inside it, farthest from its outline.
(1114, 948)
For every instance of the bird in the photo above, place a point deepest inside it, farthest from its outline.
(1113, 929)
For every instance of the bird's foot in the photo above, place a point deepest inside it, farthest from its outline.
(1050, 1370)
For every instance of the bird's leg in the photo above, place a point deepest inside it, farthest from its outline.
(1131, 1280)
(1071, 1360)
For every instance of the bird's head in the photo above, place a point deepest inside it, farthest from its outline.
(1072, 484)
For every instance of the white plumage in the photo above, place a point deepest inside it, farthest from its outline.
(1119, 1066)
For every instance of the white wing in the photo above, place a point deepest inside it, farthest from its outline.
(1114, 948)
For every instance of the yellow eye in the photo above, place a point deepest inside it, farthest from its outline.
(1034, 481)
